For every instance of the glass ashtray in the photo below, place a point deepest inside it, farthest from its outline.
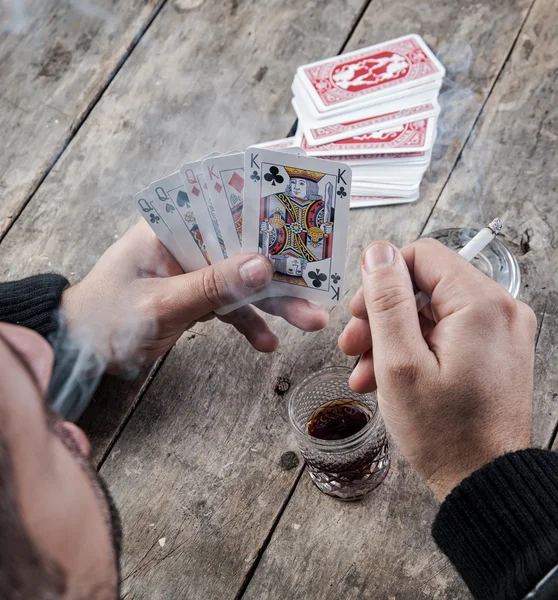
(496, 260)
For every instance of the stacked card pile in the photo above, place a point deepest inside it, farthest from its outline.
(376, 110)
(291, 208)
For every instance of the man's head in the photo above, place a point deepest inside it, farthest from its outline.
(59, 532)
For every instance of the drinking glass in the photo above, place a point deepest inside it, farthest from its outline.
(346, 468)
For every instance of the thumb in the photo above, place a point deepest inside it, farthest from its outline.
(194, 295)
(390, 303)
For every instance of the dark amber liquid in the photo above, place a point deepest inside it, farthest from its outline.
(338, 419)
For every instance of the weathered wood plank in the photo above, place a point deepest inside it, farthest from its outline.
(345, 551)
(103, 421)
(205, 75)
(326, 549)
(163, 419)
(507, 170)
(201, 461)
(56, 57)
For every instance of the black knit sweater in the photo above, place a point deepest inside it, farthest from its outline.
(33, 302)
(499, 527)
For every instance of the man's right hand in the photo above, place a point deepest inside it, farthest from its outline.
(455, 383)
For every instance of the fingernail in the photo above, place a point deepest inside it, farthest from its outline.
(378, 256)
(254, 273)
(316, 305)
(352, 378)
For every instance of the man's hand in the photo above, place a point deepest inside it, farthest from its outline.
(136, 301)
(454, 386)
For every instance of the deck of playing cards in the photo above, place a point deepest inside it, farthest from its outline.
(376, 110)
(281, 203)
(367, 123)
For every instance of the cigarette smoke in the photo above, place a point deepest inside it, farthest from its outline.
(80, 362)
(77, 372)
(457, 57)
(456, 99)
(112, 328)
(83, 355)
(16, 16)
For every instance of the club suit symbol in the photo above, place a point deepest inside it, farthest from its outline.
(273, 176)
(317, 278)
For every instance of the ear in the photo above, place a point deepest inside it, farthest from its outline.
(79, 437)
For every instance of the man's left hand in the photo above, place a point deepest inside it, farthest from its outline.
(136, 302)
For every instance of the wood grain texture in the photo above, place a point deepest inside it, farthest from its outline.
(379, 559)
(167, 468)
(546, 375)
(327, 549)
(167, 104)
(55, 59)
(201, 461)
(111, 405)
(158, 112)
(507, 170)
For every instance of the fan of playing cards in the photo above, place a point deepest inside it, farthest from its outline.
(289, 207)
(371, 115)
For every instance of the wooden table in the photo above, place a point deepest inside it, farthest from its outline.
(99, 99)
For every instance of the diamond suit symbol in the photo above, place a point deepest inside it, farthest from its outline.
(237, 182)
(218, 187)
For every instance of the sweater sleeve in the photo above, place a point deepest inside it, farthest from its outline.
(33, 302)
(499, 527)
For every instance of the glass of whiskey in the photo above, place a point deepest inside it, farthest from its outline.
(340, 433)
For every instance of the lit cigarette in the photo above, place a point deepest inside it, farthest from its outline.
(468, 252)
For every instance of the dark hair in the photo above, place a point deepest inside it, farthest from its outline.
(24, 573)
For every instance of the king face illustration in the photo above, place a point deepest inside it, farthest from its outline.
(296, 225)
